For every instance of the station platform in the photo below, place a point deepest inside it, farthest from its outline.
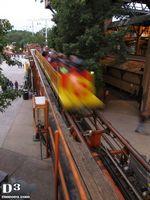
(20, 155)
(124, 117)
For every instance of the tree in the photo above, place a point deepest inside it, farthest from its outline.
(80, 30)
(7, 94)
(21, 38)
(5, 27)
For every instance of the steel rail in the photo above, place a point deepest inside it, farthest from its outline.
(124, 176)
(126, 143)
(99, 162)
(108, 141)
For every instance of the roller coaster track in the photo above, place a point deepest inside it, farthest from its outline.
(120, 173)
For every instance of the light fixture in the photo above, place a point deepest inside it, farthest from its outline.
(40, 114)
(92, 72)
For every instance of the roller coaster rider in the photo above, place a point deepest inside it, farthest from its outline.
(60, 62)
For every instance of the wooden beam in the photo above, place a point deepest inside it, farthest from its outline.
(146, 81)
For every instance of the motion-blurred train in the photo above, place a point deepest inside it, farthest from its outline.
(74, 89)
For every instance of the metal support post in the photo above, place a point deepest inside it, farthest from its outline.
(56, 163)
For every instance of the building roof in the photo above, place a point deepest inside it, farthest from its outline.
(147, 2)
(143, 20)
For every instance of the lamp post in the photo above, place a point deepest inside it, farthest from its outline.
(39, 22)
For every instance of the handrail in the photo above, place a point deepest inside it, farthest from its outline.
(59, 167)
(74, 170)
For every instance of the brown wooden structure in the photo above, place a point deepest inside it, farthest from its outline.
(133, 74)
(146, 82)
(126, 76)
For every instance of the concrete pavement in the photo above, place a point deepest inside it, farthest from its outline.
(19, 155)
(123, 115)
(13, 73)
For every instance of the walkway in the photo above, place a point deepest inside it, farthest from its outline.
(19, 155)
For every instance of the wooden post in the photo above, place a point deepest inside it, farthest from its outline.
(56, 163)
(137, 40)
(146, 81)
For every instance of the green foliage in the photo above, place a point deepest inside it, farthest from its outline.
(5, 27)
(7, 97)
(80, 30)
(8, 94)
(21, 38)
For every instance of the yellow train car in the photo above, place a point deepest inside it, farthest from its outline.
(74, 90)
